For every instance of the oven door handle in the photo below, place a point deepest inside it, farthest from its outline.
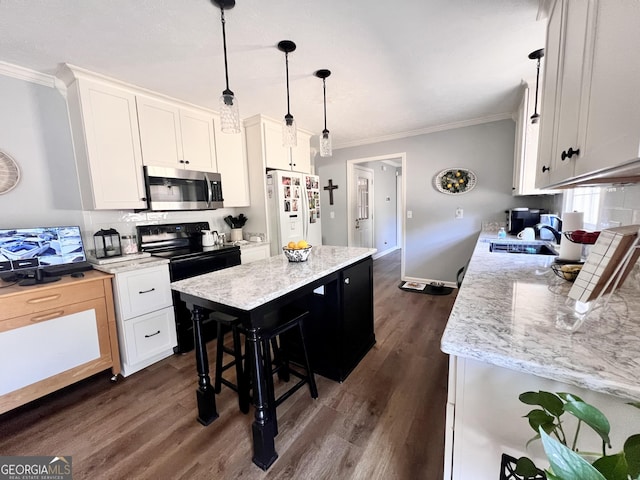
(209, 190)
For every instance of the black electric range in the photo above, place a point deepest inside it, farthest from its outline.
(181, 244)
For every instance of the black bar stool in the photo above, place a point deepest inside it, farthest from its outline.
(280, 363)
(226, 323)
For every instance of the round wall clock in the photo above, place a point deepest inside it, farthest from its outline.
(9, 173)
(453, 181)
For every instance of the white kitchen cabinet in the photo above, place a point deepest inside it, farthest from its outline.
(232, 166)
(564, 110)
(175, 135)
(485, 418)
(526, 147)
(612, 133)
(254, 253)
(265, 137)
(145, 317)
(106, 142)
(590, 94)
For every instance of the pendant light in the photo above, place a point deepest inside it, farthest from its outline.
(289, 133)
(325, 138)
(537, 55)
(228, 104)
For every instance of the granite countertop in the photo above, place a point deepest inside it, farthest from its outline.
(128, 265)
(510, 311)
(251, 285)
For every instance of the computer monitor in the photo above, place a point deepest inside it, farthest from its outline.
(44, 251)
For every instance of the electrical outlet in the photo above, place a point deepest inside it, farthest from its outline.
(459, 212)
(332, 214)
(409, 214)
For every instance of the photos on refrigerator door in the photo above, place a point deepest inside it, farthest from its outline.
(313, 197)
(291, 189)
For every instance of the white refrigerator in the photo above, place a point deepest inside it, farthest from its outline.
(293, 206)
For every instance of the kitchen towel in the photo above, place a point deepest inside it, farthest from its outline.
(568, 250)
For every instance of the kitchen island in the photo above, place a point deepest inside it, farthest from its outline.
(506, 335)
(335, 284)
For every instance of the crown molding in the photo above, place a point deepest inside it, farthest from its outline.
(426, 130)
(22, 73)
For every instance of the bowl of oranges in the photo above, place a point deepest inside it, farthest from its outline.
(297, 251)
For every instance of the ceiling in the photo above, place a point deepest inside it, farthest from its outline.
(398, 68)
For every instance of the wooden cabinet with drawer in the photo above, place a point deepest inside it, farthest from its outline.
(145, 316)
(55, 334)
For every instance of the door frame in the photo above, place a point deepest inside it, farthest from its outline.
(402, 196)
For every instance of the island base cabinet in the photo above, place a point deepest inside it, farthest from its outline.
(340, 331)
(485, 419)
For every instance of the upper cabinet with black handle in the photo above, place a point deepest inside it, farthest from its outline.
(589, 114)
(176, 136)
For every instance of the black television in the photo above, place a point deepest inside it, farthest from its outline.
(41, 254)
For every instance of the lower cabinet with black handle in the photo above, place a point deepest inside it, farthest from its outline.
(144, 315)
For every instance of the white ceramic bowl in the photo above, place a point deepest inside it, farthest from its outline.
(297, 254)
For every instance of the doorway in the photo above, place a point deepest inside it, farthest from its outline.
(361, 207)
(391, 163)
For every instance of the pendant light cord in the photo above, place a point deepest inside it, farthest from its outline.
(224, 47)
(286, 61)
(324, 95)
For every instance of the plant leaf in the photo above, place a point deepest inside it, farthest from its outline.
(632, 453)
(592, 417)
(567, 464)
(613, 467)
(569, 397)
(547, 400)
(540, 418)
(525, 467)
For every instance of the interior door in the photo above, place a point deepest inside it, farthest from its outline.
(362, 205)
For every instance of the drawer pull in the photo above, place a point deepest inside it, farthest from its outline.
(152, 335)
(45, 299)
(48, 316)
(147, 291)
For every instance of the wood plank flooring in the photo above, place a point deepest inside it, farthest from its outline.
(386, 421)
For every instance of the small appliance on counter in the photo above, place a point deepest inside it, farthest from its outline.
(520, 218)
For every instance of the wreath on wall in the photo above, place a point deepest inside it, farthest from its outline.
(454, 181)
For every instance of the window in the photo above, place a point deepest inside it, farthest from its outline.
(587, 200)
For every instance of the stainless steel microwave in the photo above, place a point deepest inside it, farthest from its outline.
(174, 189)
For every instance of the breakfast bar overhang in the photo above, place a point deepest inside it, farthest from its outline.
(335, 284)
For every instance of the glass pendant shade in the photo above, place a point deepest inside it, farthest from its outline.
(325, 144)
(325, 138)
(229, 113)
(289, 131)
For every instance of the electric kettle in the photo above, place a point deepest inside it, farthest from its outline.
(209, 238)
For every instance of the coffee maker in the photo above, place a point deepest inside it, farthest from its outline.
(520, 218)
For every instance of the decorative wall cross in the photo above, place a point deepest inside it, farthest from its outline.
(331, 187)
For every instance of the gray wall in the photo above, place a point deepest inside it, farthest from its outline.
(34, 131)
(437, 244)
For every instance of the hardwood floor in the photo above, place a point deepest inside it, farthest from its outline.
(386, 421)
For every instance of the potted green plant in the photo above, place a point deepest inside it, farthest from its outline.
(566, 461)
